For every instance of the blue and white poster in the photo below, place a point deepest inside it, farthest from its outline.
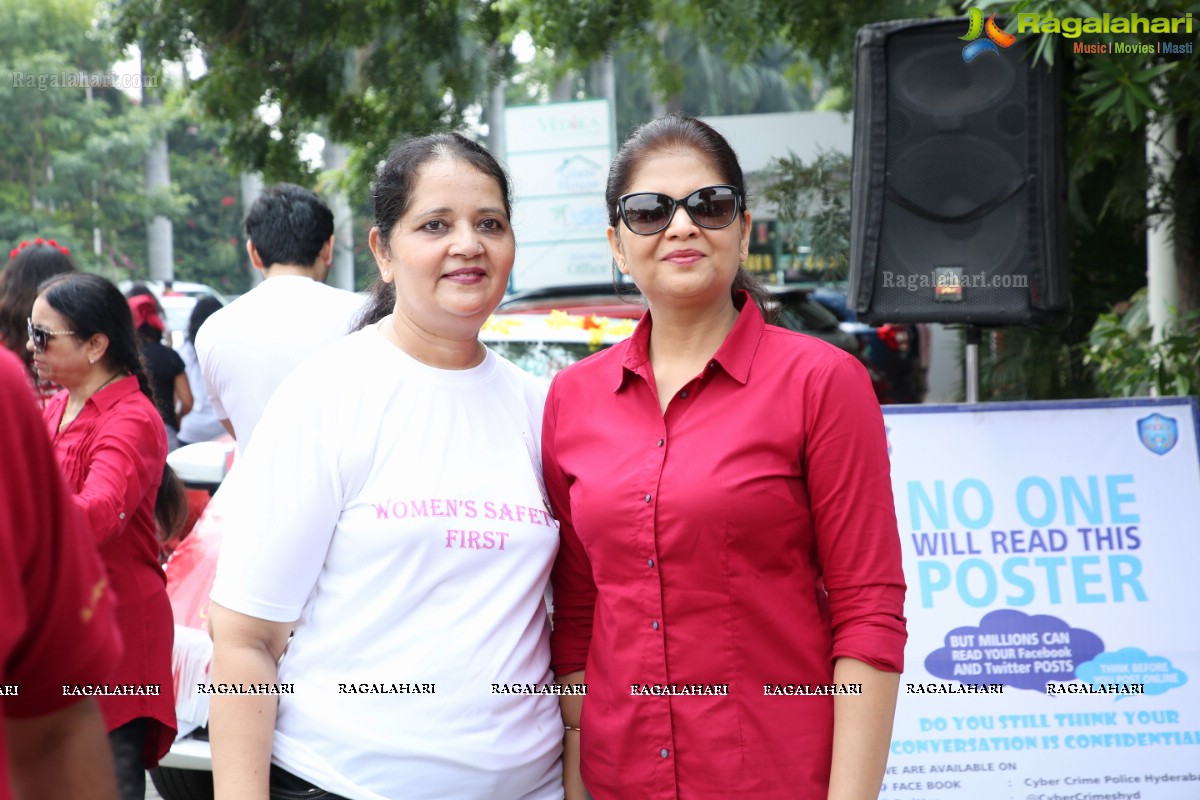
(1052, 554)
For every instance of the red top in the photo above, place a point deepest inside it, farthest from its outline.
(57, 623)
(745, 537)
(112, 455)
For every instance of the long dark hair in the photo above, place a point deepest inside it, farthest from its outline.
(680, 132)
(205, 307)
(30, 266)
(392, 195)
(91, 304)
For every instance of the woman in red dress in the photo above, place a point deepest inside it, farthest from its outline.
(112, 446)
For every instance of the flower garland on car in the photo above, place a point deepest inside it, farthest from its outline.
(597, 327)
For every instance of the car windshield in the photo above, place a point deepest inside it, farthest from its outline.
(544, 344)
(544, 359)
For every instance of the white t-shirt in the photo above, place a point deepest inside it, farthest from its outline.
(396, 511)
(201, 423)
(248, 347)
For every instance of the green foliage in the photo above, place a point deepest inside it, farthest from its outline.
(812, 208)
(1031, 363)
(72, 159)
(72, 167)
(1127, 363)
(579, 32)
(363, 72)
(208, 242)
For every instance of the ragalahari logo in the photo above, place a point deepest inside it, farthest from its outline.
(995, 36)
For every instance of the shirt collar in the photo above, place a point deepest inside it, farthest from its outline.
(735, 354)
(116, 391)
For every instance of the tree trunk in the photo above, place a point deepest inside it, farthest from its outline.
(342, 274)
(159, 242)
(252, 187)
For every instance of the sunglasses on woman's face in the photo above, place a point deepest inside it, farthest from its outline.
(41, 336)
(712, 207)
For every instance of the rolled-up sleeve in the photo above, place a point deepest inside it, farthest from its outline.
(854, 517)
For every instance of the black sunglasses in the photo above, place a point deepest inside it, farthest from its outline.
(712, 207)
(41, 336)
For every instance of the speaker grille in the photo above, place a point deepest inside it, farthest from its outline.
(955, 177)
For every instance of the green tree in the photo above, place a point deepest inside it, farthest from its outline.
(812, 207)
(362, 73)
(209, 247)
(73, 145)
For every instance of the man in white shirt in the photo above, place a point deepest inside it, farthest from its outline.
(247, 348)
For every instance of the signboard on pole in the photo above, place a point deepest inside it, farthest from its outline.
(558, 156)
(1051, 552)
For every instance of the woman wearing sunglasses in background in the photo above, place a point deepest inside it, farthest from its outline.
(112, 449)
(30, 264)
(726, 518)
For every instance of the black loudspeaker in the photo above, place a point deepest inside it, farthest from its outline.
(958, 199)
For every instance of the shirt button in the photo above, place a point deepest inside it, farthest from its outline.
(650, 562)
(647, 498)
(664, 752)
(683, 393)
(654, 624)
(121, 515)
(712, 364)
(660, 442)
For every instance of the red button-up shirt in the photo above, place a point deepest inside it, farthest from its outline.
(112, 457)
(56, 616)
(746, 537)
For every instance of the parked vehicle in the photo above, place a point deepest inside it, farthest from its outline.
(542, 343)
(892, 351)
(608, 314)
(798, 311)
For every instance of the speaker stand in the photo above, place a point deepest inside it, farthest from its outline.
(972, 361)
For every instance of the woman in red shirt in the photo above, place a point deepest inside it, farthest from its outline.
(112, 447)
(728, 583)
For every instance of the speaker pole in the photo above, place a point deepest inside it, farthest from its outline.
(973, 339)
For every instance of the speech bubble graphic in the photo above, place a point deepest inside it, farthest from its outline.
(1016, 649)
(1132, 665)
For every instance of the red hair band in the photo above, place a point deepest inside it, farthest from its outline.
(13, 253)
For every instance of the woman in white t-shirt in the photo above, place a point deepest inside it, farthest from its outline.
(389, 515)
